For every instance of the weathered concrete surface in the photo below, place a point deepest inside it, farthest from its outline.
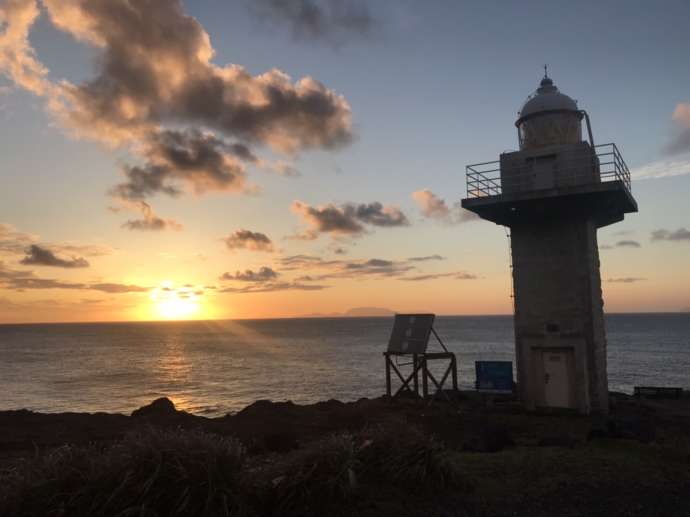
(558, 305)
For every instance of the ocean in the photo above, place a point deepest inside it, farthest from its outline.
(212, 368)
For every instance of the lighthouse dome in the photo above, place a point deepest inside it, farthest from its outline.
(549, 117)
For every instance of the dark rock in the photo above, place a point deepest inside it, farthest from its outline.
(329, 405)
(558, 441)
(408, 395)
(267, 408)
(159, 407)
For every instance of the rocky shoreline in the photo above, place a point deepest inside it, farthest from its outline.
(479, 456)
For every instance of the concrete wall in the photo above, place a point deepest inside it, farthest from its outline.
(558, 303)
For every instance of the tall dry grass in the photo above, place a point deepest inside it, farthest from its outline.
(150, 473)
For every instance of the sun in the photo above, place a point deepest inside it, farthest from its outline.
(176, 303)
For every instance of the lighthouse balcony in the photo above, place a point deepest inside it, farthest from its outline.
(560, 180)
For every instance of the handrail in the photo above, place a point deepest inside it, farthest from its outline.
(484, 179)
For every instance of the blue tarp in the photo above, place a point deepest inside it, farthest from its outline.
(494, 375)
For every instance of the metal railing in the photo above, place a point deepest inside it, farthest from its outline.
(484, 179)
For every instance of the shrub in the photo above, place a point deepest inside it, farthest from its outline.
(406, 457)
(149, 473)
(315, 478)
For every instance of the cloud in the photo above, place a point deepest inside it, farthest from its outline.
(376, 214)
(430, 204)
(665, 168)
(30, 282)
(348, 219)
(626, 280)
(264, 274)
(293, 262)
(458, 275)
(331, 21)
(246, 239)
(336, 269)
(681, 234)
(198, 160)
(155, 90)
(273, 287)
(15, 242)
(434, 207)
(89, 250)
(377, 265)
(21, 280)
(150, 221)
(17, 58)
(317, 269)
(118, 288)
(327, 219)
(156, 67)
(38, 256)
(673, 164)
(681, 141)
(628, 244)
(426, 258)
(26, 280)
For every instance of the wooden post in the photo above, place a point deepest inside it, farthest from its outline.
(425, 386)
(416, 376)
(455, 373)
(388, 375)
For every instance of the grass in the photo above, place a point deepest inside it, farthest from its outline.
(314, 479)
(406, 457)
(149, 473)
(389, 469)
(161, 473)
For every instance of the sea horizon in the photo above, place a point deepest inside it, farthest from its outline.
(213, 367)
(304, 317)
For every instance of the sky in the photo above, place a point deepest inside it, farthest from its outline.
(212, 159)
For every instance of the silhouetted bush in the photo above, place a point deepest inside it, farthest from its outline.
(149, 473)
(408, 458)
(313, 479)
(168, 473)
(326, 476)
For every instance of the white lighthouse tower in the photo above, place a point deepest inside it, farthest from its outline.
(553, 194)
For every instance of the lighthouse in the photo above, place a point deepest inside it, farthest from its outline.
(554, 193)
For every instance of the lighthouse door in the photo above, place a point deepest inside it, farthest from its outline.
(558, 377)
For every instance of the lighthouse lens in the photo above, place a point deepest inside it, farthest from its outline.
(556, 128)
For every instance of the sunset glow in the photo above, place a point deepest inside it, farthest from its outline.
(175, 303)
(313, 173)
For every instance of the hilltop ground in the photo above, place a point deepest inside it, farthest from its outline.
(370, 457)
